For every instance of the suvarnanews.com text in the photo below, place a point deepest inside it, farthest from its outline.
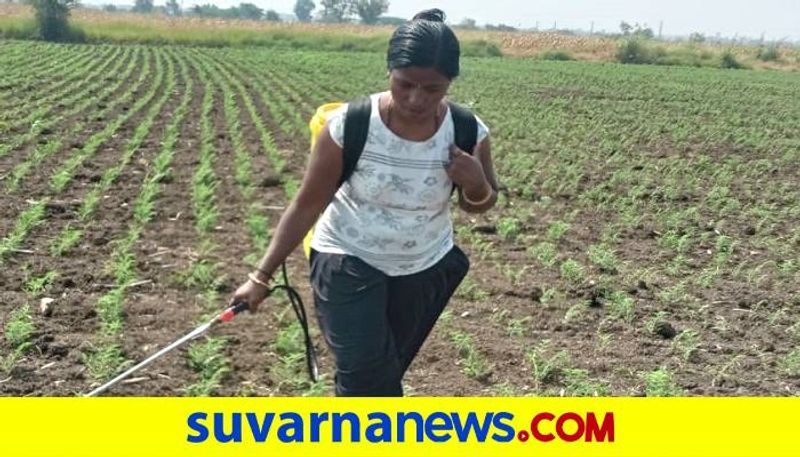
(401, 427)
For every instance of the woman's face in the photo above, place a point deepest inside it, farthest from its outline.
(417, 91)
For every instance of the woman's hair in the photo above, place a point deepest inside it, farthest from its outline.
(425, 41)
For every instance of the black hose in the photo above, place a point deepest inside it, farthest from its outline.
(300, 312)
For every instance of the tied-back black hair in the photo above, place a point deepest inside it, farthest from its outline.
(425, 41)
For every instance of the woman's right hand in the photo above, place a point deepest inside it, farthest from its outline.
(251, 292)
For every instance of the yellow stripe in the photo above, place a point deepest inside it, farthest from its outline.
(120, 427)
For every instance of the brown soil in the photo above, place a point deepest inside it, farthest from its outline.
(160, 309)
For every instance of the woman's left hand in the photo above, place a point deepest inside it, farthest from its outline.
(465, 170)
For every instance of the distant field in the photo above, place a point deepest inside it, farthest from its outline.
(16, 22)
(645, 243)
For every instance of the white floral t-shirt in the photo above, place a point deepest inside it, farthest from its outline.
(393, 213)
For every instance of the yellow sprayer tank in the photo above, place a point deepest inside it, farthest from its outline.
(315, 126)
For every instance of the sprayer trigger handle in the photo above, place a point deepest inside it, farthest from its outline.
(229, 313)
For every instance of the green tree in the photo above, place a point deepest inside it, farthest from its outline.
(697, 37)
(392, 20)
(210, 10)
(273, 16)
(52, 18)
(637, 31)
(303, 9)
(335, 10)
(250, 11)
(143, 6)
(173, 8)
(468, 23)
(501, 28)
(369, 10)
(644, 32)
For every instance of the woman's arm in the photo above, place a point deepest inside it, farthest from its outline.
(320, 183)
(480, 184)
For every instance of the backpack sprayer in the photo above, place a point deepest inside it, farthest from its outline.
(226, 316)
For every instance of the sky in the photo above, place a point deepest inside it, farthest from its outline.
(775, 19)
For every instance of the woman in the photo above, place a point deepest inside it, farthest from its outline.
(383, 262)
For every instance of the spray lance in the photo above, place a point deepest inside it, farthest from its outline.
(226, 316)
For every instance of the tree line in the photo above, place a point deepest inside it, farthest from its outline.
(52, 15)
(336, 11)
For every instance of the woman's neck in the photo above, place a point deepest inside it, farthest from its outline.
(412, 129)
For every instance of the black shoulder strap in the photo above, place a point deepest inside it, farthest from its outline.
(466, 126)
(356, 127)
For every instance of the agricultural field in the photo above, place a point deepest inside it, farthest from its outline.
(646, 241)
